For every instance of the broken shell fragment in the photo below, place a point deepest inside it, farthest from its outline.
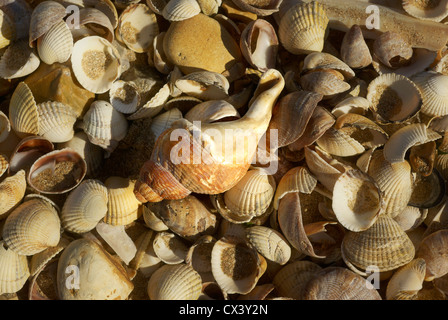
(392, 50)
(204, 85)
(18, 60)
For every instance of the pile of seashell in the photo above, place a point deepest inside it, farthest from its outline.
(93, 205)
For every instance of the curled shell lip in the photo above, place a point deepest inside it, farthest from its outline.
(392, 50)
(27, 151)
(431, 10)
(272, 7)
(19, 60)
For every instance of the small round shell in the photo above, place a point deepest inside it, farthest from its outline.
(269, 243)
(175, 282)
(433, 87)
(124, 96)
(85, 206)
(14, 270)
(12, 191)
(169, 247)
(302, 28)
(178, 10)
(56, 121)
(27, 151)
(96, 63)
(32, 227)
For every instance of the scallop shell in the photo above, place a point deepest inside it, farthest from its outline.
(85, 206)
(433, 250)
(122, 204)
(23, 114)
(8, 32)
(13, 269)
(236, 266)
(45, 15)
(169, 247)
(88, 257)
(96, 63)
(12, 191)
(32, 227)
(393, 98)
(18, 60)
(57, 172)
(137, 27)
(433, 86)
(178, 10)
(327, 283)
(291, 280)
(252, 195)
(269, 243)
(302, 28)
(56, 121)
(407, 281)
(175, 282)
(384, 245)
(56, 44)
(104, 125)
(355, 212)
(426, 10)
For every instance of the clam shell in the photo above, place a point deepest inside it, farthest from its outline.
(97, 21)
(291, 280)
(32, 227)
(327, 283)
(211, 111)
(252, 195)
(428, 191)
(269, 243)
(236, 266)
(359, 105)
(151, 219)
(355, 212)
(45, 15)
(124, 96)
(95, 63)
(169, 247)
(178, 10)
(430, 10)
(407, 281)
(175, 282)
(316, 61)
(157, 5)
(411, 218)
(302, 28)
(19, 60)
(56, 121)
(433, 86)
(392, 49)
(384, 245)
(433, 250)
(13, 269)
(137, 27)
(5, 126)
(393, 98)
(8, 32)
(104, 125)
(204, 85)
(27, 151)
(164, 121)
(56, 172)
(354, 50)
(23, 114)
(12, 191)
(159, 60)
(56, 44)
(85, 206)
(327, 82)
(110, 283)
(122, 205)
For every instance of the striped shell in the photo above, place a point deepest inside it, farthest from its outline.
(407, 281)
(178, 10)
(12, 191)
(270, 243)
(56, 45)
(433, 86)
(56, 121)
(23, 113)
(14, 271)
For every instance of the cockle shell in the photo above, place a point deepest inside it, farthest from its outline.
(95, 22)
(359, 105)
(12, 191)
(384, 245)
(151, 219)
(137, 27)
(164, 121)
(56, 121)
(14, 270)
(326, 283)
(124, 96)
(85, 206)
(175, 282)
(429, 191)
(432, 86)
(23, 114)
(18, 60)
(40, 260)
(95, 63)
(407, 281)
(45, 15)
(4, 164)
(303, 27)
(236, 266)
(56, 44)
(269, 243)
(433, 250)
(178, 10)
(122, 205)
(32, 227)
(110, 283)
(426, 10)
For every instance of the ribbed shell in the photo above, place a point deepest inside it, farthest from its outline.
(41, 259)
(14, 271)
(175, 282)
(384, 245)
(290, 281)
(23, 113)
(119, 95)
(164, 121)
(85, 206)
(56, 45)
(32, 227)
(433, 87)
(433, 249)
(44, 16)
(153, 106)
(270, 243)
(302, 28)
(12, 191)
(122, 203)
(178, 10)
(252, 195)
(407, 281)
(4, 164)
(339, 143)
(169, 247)
(56, 121)
(5, 127)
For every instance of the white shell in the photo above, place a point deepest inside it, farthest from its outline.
(56, 44)
(178, 10)
(14, 271)
(124, 96)
(56, 121)
(19, 60)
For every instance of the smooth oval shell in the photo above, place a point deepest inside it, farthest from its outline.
(14, 270)
(18, 60)
(5, 127)
(12, 191)
(85, 206)
(175, 282)
(32, 227)
(109, 283)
